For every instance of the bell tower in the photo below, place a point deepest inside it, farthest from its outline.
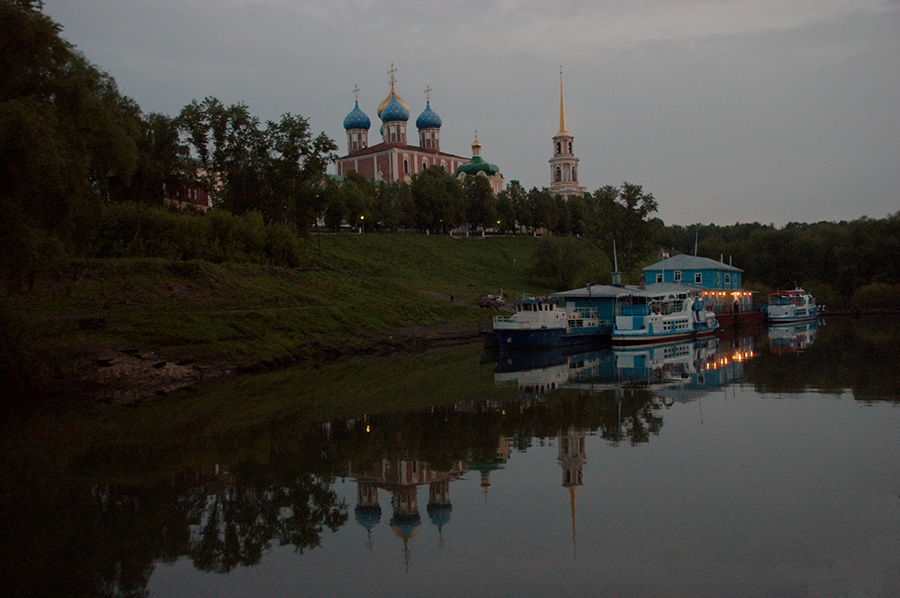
(563, 164)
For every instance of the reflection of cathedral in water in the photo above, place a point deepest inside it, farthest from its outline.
(402, 480)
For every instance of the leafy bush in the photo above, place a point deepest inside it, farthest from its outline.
(876, 294)
(557, 264)
(138, 230)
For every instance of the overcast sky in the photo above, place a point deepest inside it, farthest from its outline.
(727, 111)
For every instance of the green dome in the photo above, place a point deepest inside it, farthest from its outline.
(476, 165)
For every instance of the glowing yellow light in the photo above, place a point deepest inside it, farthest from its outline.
(367, 428)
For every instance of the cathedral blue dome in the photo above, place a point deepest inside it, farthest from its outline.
(357, 119)
(429, 119)
(394, 110)
(368, 517)
(440, 514)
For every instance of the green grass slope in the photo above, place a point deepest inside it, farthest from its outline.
(355, 290)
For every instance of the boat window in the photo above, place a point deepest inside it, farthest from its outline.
(698, 278)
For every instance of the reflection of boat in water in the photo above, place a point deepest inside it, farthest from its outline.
(665, 365)
(539, 372)
(790, 338)
(539, 322)
(651, 317)
(791, 306)
(701, 364)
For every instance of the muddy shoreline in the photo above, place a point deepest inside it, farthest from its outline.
(127, 376)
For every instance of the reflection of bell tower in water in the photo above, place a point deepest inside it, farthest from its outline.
(572, 459)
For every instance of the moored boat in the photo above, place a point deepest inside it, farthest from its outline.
(796, 305)
(540, 322)
(648, 317)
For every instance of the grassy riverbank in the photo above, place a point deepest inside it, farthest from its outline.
(133, 326)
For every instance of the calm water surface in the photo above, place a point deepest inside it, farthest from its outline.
(757, 465)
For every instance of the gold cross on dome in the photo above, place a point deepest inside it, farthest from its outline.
(393, 72)
(428, 93)
(356, 93)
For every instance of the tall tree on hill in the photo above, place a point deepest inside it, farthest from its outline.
(160, 160)
(518, 196)
(358, 198)
(636, 208)
(481, 210)
(276, 171)
(543, 209)
(65, 131)
(439, 200)
(506, 212)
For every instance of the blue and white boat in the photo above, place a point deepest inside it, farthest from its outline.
(647, 317)
(540, 322)
(786, 307)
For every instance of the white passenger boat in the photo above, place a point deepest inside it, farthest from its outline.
(652, 317)
(539, 323)
(791, 306)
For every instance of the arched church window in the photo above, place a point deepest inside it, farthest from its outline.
(424, 164)
(570, 147)
(558, 174)
(558, 147)
(575, 174)
(405, 166)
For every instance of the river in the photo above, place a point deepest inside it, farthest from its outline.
(764, 463)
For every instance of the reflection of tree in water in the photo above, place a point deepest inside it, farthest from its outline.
(859, 354)
(635, 418)
(235, 523)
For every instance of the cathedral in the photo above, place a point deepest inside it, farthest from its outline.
(393, 158)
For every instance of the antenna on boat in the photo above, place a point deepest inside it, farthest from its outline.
(616, 275)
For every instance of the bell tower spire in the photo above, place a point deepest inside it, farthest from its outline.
(562, 106)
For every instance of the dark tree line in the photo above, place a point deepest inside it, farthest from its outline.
(71, 145)
(841, 262)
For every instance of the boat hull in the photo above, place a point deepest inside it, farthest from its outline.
(511, 339)
(775, 320)
(638, 339)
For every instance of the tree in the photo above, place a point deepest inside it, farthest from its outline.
(277, 171)
(65, 131)
(506, 212)
(557, 263)
(518, 196)
(543, 207)
(481, 210)
(358, 198)
(160, 157)
(636, 209)
(438, 198)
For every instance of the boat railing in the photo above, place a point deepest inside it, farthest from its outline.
(628, 309)
(499, 319)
